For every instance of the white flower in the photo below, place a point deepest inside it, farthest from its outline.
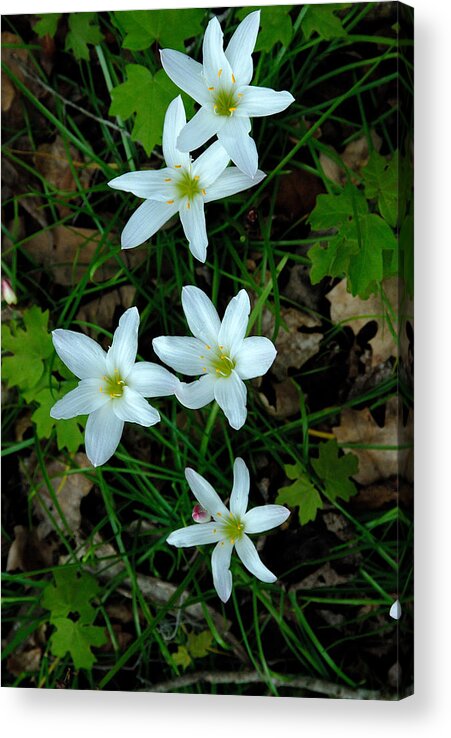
(395, 610)
(229, 528)
(183, 186)
(112, 387)
(222, 87)
(219, 352)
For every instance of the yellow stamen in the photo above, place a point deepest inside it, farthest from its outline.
(240, 94)
(232, 109)
(204, 192)
(196, 177)
(219, 72)
(207, 346)
(233, 78)
(211, 88)
(188, 205)
(168, 179)
(178, 166)
(219, 514)
(169, 202)
(204, 368)
(101, 389)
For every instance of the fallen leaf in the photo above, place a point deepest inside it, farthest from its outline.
(52, 162)
(286, 402)
(295, 343)
(357, 313)
(25, 661)
(377, 495)
(355, 156)
(377, 461)
(297, 193)
(13, 58)
(325, 576)
(101, 311)
(28, 551)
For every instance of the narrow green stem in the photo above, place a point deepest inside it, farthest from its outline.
(208, 428)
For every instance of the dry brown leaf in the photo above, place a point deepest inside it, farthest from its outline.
(286, 401)
(355, 156)
(28, 552)
(356, 313)
(12, 58)
(294, 346)
(359, 426)
(101, 311)
(52, 161)
(377, 495)
(27, 661)
(325, 576)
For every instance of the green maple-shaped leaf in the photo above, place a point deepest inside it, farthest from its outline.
(382, 184)
(334, 471)
(199, 644)
(148, 96)
(77, 639)
(47, 24)
(275, 25)
(83, 30)
(71, 593)
(332, 211)
(68, 433)
(170, 28)
(321, 19)
(29, 349)
(301, 494)
(181, 657)
(366, 265)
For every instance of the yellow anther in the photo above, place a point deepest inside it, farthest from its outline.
(188, 205)
(204, 368)
(178, 166)
(207, 346)
(221, 347)
(100, 389)
(204, 192)
(215, 107)
(211, 88)
(219, 514)
(240, 94)
(219, 72)
(196, 177)
(169, 202)
(233, 78)
(214, 530)
(168, 179)
(232, 541)
(232, 109)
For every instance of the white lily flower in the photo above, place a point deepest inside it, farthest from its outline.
(222, 88)
(219, 352)
(183, 186)
(229, 528)
(112, 386)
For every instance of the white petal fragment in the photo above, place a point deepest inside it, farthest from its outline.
(183, 353)
(220, 566)
(192, 217)
(206, 495)
(260, 101)
(146, 221)
(152, 380)
(133, 408)
(234, 323)
(197, 394)
(216, 68)
(265, 517)
(83, 356)
(122, 353)
(174, 121)
(239, 145)
(230, 394)
(251, 560)
(395, 610)
(143, 184)
(254, 357)
(240, 490)
(211, 164)
(102, 435)
(194, 535)
(231, 181)
(201, 315)
(199, 129)
(82, 400)
(240, 48)
(186, 74)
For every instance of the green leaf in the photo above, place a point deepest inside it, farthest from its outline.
(275, 25)
(83, 30)
(331, 260)
(181, 657)
(47, 25)
(77, 639)
(70, 594)
(366, 265)
(68, 433)
(29, 349)
(199, 644)
(332, 211)
(301, 494)
(169, 27)
(334, 471)
(148, 96)
(381, 184)
(321, 19)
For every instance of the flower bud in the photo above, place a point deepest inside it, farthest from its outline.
(8, 294)
(200, 515)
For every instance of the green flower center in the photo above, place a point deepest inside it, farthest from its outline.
(225, 102)
(233, 528)
(113, 386)
(188, 186)
(223, 365)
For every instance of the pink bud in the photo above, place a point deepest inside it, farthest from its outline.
(200, 515)
(8, 294)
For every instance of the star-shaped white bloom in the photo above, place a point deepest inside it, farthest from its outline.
(183, 186)
(112, 386)
(229, 527)
(222, 88)
(219, 352)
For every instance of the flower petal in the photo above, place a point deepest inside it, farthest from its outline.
(174, 121)
(216, 67)
(251, 560)
(254, 357)
(199, 129)
(83, 356)
(234, 323)
(144, 184)
(240, 490)
(102, 435)
(186, 74)
(133, 408)
(197, 394)
(152, 380)
(240, 48)
(220, 567)
(230, 394)
(260, 101)
(211, 164)
(265, 517)
(206, 495)
(122, 352)
(193, 221)
(239, 145)
(182, 353)
(195, 535)
(82, 400)
(146, 221)
(231, 181)
(201, 315)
